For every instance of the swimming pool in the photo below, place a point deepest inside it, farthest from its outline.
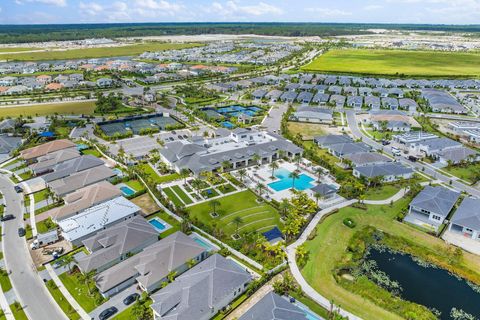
(303, 182)
(159, 224)
(207, 246)
(127, 190)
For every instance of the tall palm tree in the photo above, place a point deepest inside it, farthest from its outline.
(260, 188)
(273, 166)
(317, 196)
(319, 172)
(226, 165)
(66, 261)
(214, 204)
(256, 158)
(86, 278)
(242, 173)
(184, 173)
(284, 206)
(238, 221)
(297, 160)
(294, 176)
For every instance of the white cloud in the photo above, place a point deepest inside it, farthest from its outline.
(90, 9)
(372, 7)
(328, 13)
(58, 3)
(234, 9)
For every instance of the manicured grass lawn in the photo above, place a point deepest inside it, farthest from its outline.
(80, 292)
(173, 197)
(129, 50)
(135, 184)
(26, 175)
(255, 216)
(16, 49)
(127, 313)
(170, 220)
(40, 195)
(5, 281)
(94, 152)
(394, 62)
(226, 188)
(185, 198)
(381, 193)
(332, 238)
(81, 107)
(148, 170)
(466, 173)
(307, 130)
(18, 314)
(61, 301)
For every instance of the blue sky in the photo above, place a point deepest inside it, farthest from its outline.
(389, 11)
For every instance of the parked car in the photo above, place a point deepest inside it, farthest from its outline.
(18, 189)
(131, 299)
(21, 232)
(7, 217)
(107, 313)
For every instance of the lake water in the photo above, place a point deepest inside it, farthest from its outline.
(431, 287)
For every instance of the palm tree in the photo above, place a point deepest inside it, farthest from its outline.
(226, 165)
(214, 204)
(171, 276)
(319, 172)
(294, 176)
(67, 260)
(317, 196)
(48, 194)
(242, 173)
(260, 188)
(238, 221)
(184, 173)
(273, 166)
(297, 159)
(256, 158)
(284, 206)
(86, 278)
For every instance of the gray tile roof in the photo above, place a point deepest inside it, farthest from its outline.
(332, 139)
(438, 200)
(457, 155)
(273, 307)
(8, 144)
(197, 292)
(468, 214)
(49, 161)
(81, 179)
(324, 189)
(72, 166)
(364, 158)
(349, 148)
(115, 242)
(153, 264)
(383, 170)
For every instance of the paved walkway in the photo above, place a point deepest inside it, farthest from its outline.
(67, 294)
(291, 249)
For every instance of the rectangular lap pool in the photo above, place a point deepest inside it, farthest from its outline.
(126, 190)
(202, 242)
(159, 224)
(303, 182)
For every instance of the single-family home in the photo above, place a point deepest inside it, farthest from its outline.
(31, 154)
(332, 139)
(312, 115)
(355, 102)
(48, 162)
(274, 307)
(466, 220)
(343, 149)
(72, 166)
(388, 172)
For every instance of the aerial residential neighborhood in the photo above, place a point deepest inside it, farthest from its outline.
(239, 160)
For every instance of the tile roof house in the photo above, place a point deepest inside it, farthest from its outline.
(457, 155)
(202, 291)
(48, 162)
(69, 167)
(115, 244)
(85, 198)
(150, 267)
(94, 219)
(431, 206)
(313, 115)
(274, 307)
(331, 139)
(81, 179)
(31, 154)
(466, 220)
(342, 149)
(387, 171)
(367, 158)
(8, 144)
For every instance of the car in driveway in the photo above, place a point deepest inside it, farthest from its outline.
(21, 232)
(18, 189)
(7, 217)
(107, 313)
(131, 299)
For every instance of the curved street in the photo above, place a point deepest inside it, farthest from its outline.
(27, 284)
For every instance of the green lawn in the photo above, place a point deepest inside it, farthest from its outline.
(150, 172)
(332, 237)
(256, 216)
(173, 197)
(5, 281)
(381, 193)
(127, 313)
(82, 107)
(40, 195)
(93, 152)
(18, 313)
(16, 49)
(395, 62)
(170, 220)
(135, 185)
(466, 173)
(61, 301)
(185, 198)
(26, 175)
(80, 292)
(128, 50)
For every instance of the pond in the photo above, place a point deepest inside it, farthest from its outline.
(431, 287)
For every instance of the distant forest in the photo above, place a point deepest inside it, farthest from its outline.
(33, 33)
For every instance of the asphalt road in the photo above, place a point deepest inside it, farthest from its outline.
(29, 287)
(352, 123)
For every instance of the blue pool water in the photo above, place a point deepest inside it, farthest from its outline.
(203, 244)
(228, 124)
(159, 224)
(127, 190)
(303, 182)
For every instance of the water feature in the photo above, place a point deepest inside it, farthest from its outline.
(284, 182)
(428, 286)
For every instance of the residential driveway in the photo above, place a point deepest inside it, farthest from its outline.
(274, 118)
(28, 285)
(462, 241)
(115, 301)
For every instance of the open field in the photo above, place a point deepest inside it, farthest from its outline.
(129, 50)
(468, 173)
(332, 237)
(16, 49)
(82, 107)
(397, 62)
(255, 216)
(307, 130)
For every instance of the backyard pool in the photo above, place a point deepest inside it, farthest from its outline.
(159, 224)
(303, 182)
(126, 190)
(203, 243)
